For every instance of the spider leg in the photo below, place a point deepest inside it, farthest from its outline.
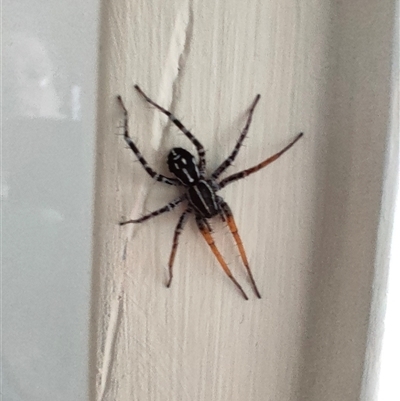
(226, 163)
(166, 208)
(128, 139)
(245, 173)
(206, 232)
(227, 216)
(179, 227)
(200, 149)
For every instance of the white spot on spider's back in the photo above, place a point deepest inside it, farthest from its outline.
(175, 156)
(196, 167)
(190, 179)
(200, 197)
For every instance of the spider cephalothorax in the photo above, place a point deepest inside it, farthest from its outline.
(183, 165)
(201, 194)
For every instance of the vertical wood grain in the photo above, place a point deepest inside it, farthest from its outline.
(308, 221)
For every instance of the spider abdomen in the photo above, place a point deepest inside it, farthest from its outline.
(203, 199)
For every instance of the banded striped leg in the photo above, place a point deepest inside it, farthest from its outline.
(206, 232)
(245, 173)
(239, 143)
(228, 217)
(200, 149)
(166, 208)
(178, 230)
(150, 171)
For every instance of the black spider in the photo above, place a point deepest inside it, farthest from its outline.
(201, 195)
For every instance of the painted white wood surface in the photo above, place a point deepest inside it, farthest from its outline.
(309, 221)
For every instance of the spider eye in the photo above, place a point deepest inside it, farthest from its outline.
(183, 165)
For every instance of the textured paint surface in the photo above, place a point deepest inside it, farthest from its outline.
(300, 219)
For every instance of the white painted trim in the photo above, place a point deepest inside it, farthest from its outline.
(309, 222)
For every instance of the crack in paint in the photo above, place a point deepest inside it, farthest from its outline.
(178, 52)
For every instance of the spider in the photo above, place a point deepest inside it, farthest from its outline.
(201, 194)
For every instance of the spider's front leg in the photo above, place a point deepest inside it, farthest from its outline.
(230, 159)
(205, 230)
(199, 147)
(128, 139)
